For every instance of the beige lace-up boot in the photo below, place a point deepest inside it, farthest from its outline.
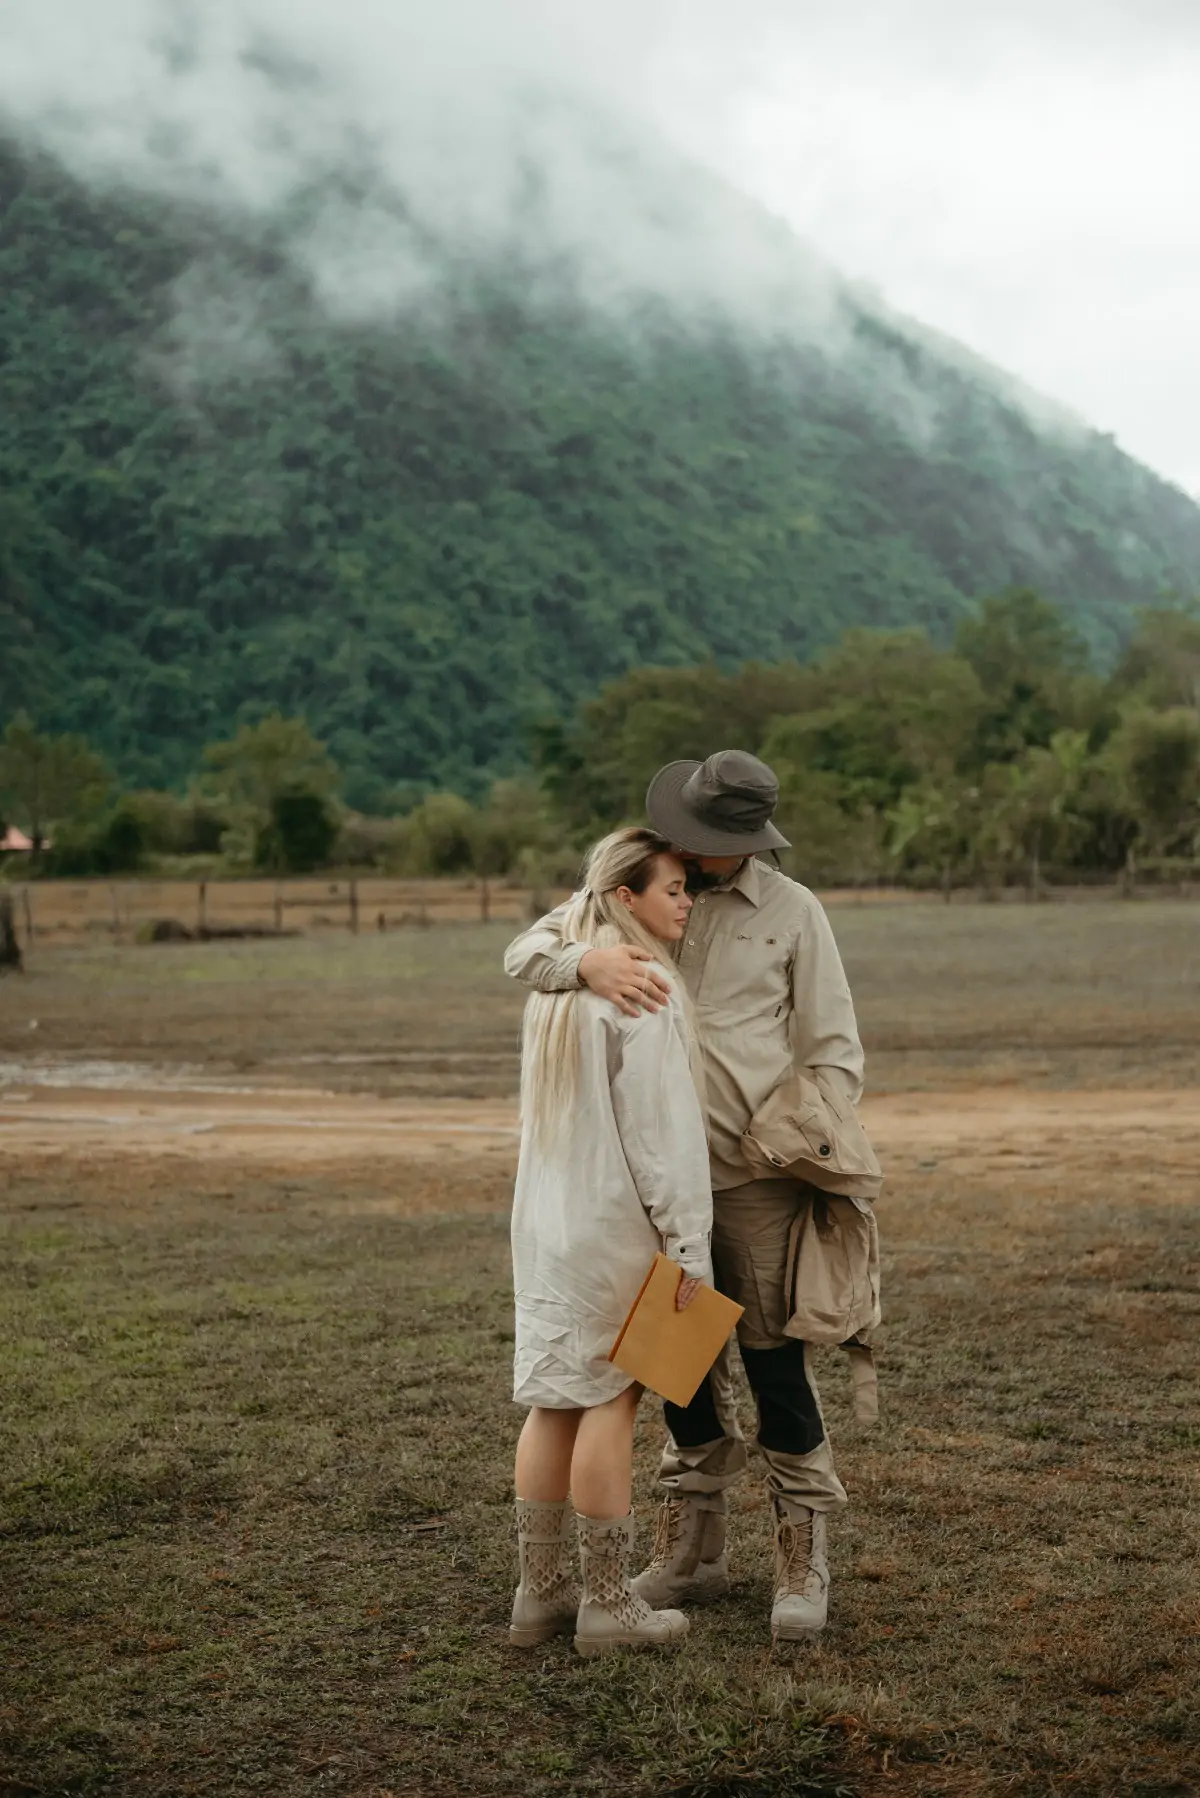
(611, 1615)
(801, 1601)
(547, 1598)
(689, 1563)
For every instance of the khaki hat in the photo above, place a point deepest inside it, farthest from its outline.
(719, 807)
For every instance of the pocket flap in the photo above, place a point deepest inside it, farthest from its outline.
(799, 1127)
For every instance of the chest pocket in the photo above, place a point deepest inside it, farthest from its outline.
(749, 971)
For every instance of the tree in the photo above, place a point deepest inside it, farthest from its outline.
(48, 780)
(598, 772)
(1053, 780)
(1032, 667)
(833, 841)
(263, 764)
(1157, 759)
(934, 825)
(300, 835)
(510, 830)
(440, 836)
(1161, 666)
(886, 709)
(1031, 802)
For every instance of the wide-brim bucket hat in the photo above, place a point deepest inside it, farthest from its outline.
(721, 806)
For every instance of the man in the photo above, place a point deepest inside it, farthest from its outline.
(770, 994)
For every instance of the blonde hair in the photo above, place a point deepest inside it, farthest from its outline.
(549, 1036)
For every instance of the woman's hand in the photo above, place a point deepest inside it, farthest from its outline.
(685, 1292)
(624, 975)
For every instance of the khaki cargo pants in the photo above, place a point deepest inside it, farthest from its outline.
(707, 1451)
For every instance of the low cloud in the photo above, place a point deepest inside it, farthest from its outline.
(1018, 177)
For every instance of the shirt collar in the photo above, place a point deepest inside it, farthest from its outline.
(747, 881)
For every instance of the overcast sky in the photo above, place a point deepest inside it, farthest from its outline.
(1025, 177)
(1029, 182)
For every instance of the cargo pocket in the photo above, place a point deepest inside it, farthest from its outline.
(833, 1270)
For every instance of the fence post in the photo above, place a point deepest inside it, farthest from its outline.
(353, 907)
(278, 907)
(116, 913)
(202, 906)
(27, 909)
(485, 901)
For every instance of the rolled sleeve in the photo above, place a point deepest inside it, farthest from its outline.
(539, 958)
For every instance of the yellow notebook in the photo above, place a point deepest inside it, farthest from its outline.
(667, 1350)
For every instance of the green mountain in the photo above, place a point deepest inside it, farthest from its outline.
(425, 534)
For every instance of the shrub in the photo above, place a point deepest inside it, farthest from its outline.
(300, 836)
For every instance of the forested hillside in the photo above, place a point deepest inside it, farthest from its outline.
(428, 534)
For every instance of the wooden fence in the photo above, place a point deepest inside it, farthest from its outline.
(132, 910)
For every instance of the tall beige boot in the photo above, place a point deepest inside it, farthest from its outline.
(801, 1601)
(611, 1615)
(547, 1598)
(689, 1564)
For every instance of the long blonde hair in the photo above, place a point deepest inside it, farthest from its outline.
(549, 1036)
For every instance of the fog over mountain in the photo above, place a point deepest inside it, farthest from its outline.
(1016, 178)
(411, 370)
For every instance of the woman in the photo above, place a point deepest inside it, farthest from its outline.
(613, 1167)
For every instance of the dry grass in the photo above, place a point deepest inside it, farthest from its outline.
(256, 1434)
(1101, 994)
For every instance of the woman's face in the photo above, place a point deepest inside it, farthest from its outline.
(664, 906)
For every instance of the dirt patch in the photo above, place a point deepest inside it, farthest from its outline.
(983, 1138)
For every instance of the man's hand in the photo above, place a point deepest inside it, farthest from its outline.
(625, 976)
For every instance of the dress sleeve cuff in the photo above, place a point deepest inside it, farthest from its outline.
(693, 1258)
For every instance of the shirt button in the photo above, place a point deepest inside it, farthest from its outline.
(691, 942)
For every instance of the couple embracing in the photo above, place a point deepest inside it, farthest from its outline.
(687, 990)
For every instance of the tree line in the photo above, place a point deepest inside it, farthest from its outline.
(1005, 756)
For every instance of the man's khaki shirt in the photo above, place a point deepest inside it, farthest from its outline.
(769, 991)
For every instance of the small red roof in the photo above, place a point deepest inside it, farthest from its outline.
(15, 839)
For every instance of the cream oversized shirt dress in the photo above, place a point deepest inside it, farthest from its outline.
(627, 1177)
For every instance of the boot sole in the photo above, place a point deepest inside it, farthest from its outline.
(591, 1646)
(796, 1635)
(701, 1592)
(532, 1635)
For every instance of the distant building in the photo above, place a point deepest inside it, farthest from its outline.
(15, 842)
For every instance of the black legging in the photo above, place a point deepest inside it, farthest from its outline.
(788, 1419)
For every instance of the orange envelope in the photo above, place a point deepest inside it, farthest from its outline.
(667, 1350)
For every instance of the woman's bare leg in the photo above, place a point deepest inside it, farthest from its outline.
(602, 1465)
(547, 1441)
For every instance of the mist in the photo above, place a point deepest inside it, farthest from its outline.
(1018, 179)
(556, 134)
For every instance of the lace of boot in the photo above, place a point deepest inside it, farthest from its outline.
(795, 1574)
(670, 1526)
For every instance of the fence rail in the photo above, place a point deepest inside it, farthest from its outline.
(126, 910)
(62, 911)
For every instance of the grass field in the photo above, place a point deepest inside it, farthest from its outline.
(257, 1438)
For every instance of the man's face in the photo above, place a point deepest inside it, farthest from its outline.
(709, 870)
